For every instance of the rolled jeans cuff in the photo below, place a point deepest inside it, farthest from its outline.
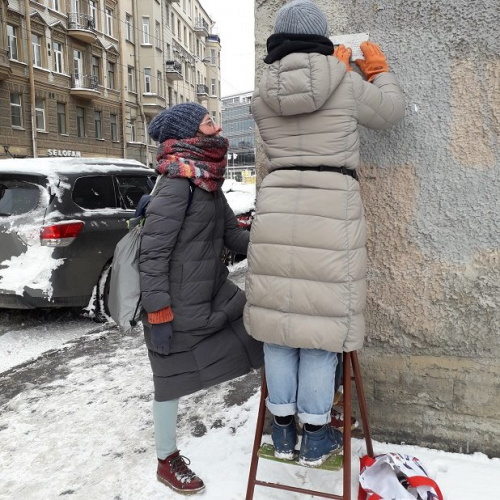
(309, 418)
(281, 410)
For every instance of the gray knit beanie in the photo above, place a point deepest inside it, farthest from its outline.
(301, 17)
(178, 122)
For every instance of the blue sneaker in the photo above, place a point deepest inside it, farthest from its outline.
(284, 440)
(318, 446)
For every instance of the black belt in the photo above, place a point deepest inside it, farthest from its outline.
(323, 168)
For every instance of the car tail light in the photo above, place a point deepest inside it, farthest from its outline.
(60, 234)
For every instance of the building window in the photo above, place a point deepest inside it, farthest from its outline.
(98, 124)
(186, 72)
(80, 121)
(16, 110)
(213, 57)
(130, 74)
(12, 39)
(58, 57)
(111, 75)
(159, 83)
(93, 12)
(145, 31)
(56, 5)
(147, 80)
(40, 114)
(133, 133)
(96, 68)
(212, 87)
(185, 37)
(172, 24)
(77, 64)
(109, 22)
(113, 120)
(129, 21)
(36, 43)
(61, 118)
(157, 35)
(178, 29)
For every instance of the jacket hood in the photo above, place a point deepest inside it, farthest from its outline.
(300, 83)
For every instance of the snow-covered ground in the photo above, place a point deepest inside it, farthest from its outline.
(76, 422)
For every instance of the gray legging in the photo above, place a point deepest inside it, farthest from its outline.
(165, 422)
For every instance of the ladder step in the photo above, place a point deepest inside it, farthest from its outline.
(334, 463)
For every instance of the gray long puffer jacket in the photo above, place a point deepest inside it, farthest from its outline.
(305, 284)
(180, 266)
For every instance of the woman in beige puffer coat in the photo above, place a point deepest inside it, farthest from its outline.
(305, 284)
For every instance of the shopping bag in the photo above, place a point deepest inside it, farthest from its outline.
(394, 476)
(125, 288)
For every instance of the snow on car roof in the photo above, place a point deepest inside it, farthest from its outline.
(47, 166)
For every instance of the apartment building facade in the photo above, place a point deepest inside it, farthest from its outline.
(60, 79)
(169, 56)
(85, 77)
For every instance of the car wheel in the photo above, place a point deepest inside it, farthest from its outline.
(101, 308)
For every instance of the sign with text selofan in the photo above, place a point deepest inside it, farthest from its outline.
(64, 152)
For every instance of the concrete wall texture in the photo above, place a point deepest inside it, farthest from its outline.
(431, 190)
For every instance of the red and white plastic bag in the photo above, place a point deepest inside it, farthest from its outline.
(395, 476)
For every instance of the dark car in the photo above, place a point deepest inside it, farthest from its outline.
(60, 220)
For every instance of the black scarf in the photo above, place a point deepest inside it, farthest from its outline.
(280, 45)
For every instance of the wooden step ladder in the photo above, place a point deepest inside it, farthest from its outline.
(349, 358)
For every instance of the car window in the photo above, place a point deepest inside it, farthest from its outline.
(95, 192)
(131, 189)
(18, 197)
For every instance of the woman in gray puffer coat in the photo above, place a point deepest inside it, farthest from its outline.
(305, 284)
(193, 328)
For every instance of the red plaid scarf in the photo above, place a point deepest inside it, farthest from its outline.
(201, 159)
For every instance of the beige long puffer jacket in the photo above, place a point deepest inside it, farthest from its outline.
(305, 284)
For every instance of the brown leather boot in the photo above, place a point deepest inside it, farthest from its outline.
(175, 473)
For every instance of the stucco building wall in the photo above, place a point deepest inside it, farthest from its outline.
(431, 190)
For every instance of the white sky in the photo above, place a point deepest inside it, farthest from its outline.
(235, 26)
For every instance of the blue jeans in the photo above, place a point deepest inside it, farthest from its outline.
(300, 381)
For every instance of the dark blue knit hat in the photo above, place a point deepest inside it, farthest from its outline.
(178, 122)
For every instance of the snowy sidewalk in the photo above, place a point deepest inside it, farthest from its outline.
(84, 431)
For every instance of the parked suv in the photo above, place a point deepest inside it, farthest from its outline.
(60, 220)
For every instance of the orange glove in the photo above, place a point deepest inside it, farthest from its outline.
(375, 61)
(343, 54)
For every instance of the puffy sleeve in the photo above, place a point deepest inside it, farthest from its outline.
(164, 218)
(379, 104)
(235, 237)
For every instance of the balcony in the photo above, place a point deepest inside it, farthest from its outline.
(202, 91)
(173, 70)
(82, 27)
(201, 27)
(213, 39)
(5, 71)
(85, 86)
(153, 104)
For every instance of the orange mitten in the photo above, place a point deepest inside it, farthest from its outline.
(375, 61)
(343, 54)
